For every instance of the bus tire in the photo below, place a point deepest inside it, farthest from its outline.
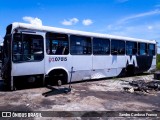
(56, 75)
(130, 70)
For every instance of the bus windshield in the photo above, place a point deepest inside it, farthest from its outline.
(27, 47)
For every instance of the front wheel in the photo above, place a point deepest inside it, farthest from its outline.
(58, 77)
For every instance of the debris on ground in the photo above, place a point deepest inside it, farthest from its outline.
(143, 86)
(157, 75)
(97, 95)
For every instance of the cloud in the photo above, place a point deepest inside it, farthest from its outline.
(146, 30)
(143, 31)
(140, 15)
(34, 21)
(72, 21)
(87, 22)
(150, 27)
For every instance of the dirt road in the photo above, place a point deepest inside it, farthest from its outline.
(99, 95)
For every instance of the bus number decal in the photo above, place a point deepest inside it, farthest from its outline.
(56, 59)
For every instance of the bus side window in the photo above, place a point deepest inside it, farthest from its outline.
(17, 48)
(57, 44)
(80, 45)
(131, 48)
(151, 49)
(101, 46)
(142, 49)
(117, 47)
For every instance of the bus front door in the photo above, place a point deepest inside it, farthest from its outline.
(28, 56)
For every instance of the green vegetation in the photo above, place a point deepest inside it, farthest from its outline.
(158, 61)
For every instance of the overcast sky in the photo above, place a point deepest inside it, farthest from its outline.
(132, 18)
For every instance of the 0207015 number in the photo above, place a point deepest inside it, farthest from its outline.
(56, 59)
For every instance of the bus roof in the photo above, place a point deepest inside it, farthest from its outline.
(76, 32)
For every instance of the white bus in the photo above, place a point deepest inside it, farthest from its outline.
(43, 53)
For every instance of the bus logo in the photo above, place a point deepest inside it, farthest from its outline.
(132, 60)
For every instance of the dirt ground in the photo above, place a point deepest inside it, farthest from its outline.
(99, 95)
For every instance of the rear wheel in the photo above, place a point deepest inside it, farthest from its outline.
(130, 70)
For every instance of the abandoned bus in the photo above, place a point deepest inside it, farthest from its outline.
(42, 52)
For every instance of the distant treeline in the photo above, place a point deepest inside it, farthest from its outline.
(158, 61)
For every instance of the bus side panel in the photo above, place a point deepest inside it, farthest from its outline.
(103, 73)
(27, 68)
(108, 66)
(153, 66)
(121, 64)
(82, 66)
(53, 62)
(104, 66)
(144, 63)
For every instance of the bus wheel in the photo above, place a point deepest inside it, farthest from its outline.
(130, 70)
(58, 77)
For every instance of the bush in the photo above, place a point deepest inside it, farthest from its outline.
(158, 61)
(158, 65)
